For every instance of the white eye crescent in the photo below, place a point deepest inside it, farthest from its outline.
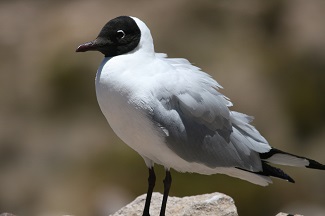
(120, 34)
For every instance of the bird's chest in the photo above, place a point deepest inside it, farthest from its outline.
(126, 110)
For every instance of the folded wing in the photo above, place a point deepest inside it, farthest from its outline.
(199, 126)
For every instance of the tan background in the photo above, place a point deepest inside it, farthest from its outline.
(59, 156)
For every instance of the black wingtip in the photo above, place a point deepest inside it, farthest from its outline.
(315, 165)
(275, 172)
(269, 170)
(270, 153)
(291, 180)
(312, 163)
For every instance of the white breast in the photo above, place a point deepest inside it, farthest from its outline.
(125, 108)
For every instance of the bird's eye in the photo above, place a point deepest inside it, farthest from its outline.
(120, 34)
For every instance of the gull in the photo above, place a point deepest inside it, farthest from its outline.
(172, 113)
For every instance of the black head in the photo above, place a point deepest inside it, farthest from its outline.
(119, 36)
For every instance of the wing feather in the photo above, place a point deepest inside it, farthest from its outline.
(200, 127)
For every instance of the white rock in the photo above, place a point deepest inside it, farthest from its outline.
(285, 214)
(206, 204)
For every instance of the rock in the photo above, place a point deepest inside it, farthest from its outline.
(206, 204)
(286, 214)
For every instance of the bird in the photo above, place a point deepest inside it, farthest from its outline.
(173, 114)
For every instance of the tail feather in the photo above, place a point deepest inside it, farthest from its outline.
(283, 158)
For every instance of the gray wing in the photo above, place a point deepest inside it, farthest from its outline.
(200, 128)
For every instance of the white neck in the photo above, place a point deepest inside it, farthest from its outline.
(146, 41)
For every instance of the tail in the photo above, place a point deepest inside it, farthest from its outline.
(283, 158)
(280, 157)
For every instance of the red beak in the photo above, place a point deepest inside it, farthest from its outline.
(87, 47)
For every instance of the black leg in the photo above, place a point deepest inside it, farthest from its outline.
(151, 185)
(167, 184)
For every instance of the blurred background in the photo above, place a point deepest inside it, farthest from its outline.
(59, 156)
